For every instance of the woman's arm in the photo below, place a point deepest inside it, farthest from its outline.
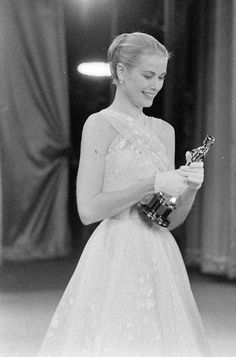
(93, 204)
(194, 176)
(184, 204)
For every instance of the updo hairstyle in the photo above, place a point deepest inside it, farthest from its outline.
(126, 49)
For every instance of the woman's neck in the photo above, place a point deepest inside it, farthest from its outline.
(123, 105)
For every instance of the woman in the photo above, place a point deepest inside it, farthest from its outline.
(130, 295)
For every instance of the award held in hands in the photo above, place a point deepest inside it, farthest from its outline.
(158, 207)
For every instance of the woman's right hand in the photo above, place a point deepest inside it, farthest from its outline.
(171, 182)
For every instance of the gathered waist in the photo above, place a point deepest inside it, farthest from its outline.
(135, 215)
(131, 212)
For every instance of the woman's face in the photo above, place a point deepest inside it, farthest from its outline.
(145, 80)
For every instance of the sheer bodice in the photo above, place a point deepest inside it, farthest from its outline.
(135, 153)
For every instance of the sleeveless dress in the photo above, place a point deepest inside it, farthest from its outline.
(129, 295)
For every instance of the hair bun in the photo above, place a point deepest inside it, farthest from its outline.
(121, 39)
(118, 41)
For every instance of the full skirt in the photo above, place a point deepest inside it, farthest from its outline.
(128, 297)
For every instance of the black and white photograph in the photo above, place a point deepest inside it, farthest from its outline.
(117, 178)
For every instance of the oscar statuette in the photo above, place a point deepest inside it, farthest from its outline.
(158, 207)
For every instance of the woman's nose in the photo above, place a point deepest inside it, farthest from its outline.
(156, 84)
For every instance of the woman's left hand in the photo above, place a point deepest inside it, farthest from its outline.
(194, 172)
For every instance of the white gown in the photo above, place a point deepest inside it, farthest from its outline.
(129, 295)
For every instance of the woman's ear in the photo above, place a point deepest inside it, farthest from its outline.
(120, 70)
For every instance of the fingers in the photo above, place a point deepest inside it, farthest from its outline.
(187, 173)
(195, 179)
(186, 176)
(196, 164)
(188, 157)
(193, 168)
(193, 174)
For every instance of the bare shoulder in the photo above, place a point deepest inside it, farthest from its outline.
(98, 130)
(97, 122)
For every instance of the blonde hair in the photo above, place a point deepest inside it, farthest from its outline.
(128, 47)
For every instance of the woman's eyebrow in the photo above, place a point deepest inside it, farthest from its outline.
(149, 71)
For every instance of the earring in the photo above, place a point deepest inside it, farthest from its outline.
(121, 81)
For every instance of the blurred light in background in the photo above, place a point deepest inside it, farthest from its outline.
(95, 69)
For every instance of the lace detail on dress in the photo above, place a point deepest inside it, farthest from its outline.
(133, 165)
(135, 154)
(142, 134)
(120, 143)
